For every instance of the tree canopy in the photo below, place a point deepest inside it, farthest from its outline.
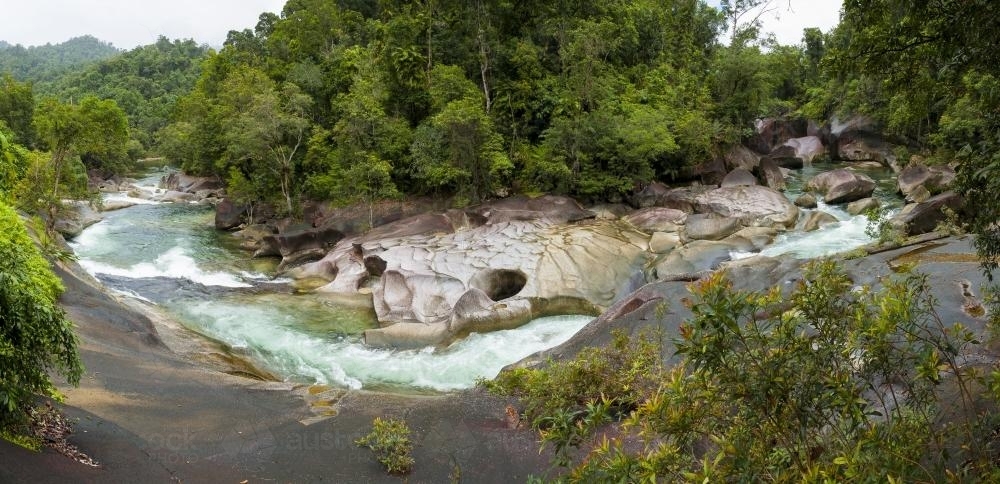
(471, 99)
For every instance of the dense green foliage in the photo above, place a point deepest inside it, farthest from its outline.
(929, 72)
(145, 82)
(474, 99)
(35, 336)
(828, 384)
(48, 62)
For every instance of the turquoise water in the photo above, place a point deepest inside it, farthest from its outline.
(171, 254)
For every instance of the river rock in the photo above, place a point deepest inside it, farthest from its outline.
(933, 179)
(739, 177)
(549, 265)
(303, 239)
(770, 174)
(548, 208)
(920, 218)
(609, 211)
(709, 227)
(773, 132)
(657, 219)
(806, 200)
(663, 242)
(698, 256)
(842, 185)
(229, 215)
(807, 148)
(112, 205)
(740, 157)
(707, 173)
(174, 196)
(73, 217)
(650, 195)
(918, 194)
(818, 219)
(755, 205)
(190, 184)
(434, 277)
(786, 157)
(759, 237)
(859, 207)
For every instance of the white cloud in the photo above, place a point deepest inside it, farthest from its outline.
(128, 23)
(789, 17)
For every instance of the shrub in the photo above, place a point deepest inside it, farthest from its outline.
(567, 400)
(35, 336)
(390, 441)
(828, 383)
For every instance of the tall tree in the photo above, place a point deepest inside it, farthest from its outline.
(949, 45)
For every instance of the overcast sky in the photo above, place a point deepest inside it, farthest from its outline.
(129, 23)
(789, 17)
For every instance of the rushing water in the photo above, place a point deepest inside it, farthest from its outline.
(846, 234)
(171, 255)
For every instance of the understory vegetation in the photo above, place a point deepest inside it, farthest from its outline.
(36, 338)
(830, 383)
(390, 441)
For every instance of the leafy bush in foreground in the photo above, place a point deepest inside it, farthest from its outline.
(35, 336)
(828, 383)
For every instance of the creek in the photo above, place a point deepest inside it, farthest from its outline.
(170, 255)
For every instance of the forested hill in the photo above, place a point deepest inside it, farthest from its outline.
(48, 62)
(145, 82)
(361, 100)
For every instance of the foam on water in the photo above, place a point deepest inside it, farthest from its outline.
(175, 263)
(124, 197)
(842, 236)
(342, 360)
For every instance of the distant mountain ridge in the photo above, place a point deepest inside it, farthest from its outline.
(47, 62)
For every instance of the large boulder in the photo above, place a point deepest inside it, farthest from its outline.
(770, 174)
(739, 177)
(773, 132)
(859, 207)
(420, 280)
(785, 157)
(740, 157)
(303, 238)
(806, 200)
(657, 219)
(707, 173)
(650, 196)
(920, 218)
(549, 208)
(933, 178)
(73, 217)
(190, 184)
(818, 219)
(842, 186)
(859, 138)
(752, 205)
(709, 227)
(175, 196)
(229, 215)
(698, 256)
(807, 148)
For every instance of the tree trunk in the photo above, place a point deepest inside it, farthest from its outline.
(484, 55)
